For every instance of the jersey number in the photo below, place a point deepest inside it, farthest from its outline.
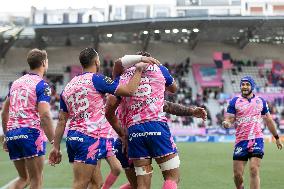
(78, 101)
(20, 97)
(144, 89)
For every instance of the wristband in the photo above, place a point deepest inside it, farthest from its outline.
(276, 137)
(130, 60)
(226, 122)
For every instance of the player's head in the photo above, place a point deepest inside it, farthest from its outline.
(89, 57)
(37, 59)
(143, 53)
(247, 85)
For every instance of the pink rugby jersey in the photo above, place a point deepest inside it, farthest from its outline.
(25, 94)
(121, 115)
(107, 131)
(147, 103)
(248, 116)
(84, 100)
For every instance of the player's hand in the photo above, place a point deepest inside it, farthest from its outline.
(279, 144)
(226, 124)
(199, 112)
(125, 145)
(141, 66)
(150, 60)
(5, 148)
(124, 140)
(54, 157)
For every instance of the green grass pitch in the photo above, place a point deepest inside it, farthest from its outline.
(203, 166)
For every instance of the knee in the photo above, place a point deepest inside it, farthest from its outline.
(254, 171)
(116, 170)
(96, 183)
(83, 180)
(83, 183)
(174, 177)
(36, 178)
(238, 176)
(99, 184)
(178, 180)
(25, 180)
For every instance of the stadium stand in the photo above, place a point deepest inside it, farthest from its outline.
(182, 61)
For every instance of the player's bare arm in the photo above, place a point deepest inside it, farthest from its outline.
(111, 106)
(55, 154)
(128, 61)
(172, 88)
(117, 69)
(180, 110)
(228, 121)
(46, 120)
(130, 88)
(272, 128)
(5, 118)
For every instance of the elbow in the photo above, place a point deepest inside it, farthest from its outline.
(125, 91)
(109, 115)
(4, 116)
(172, 91)
(131, 93)
(172, 88)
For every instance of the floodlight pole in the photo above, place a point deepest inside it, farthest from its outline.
(39, 42)
(146, 42)
(96, 40)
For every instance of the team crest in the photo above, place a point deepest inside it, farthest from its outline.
(47, 91)
(108, 80)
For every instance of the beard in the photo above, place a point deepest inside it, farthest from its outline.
(246, 93)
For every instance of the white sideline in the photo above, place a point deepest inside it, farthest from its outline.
(8, 184)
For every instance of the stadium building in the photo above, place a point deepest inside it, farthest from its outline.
(207, 45)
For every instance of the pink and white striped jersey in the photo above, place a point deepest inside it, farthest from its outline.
(248, 116)
(107, 131)
(25, 94)
(84, 100)
(120, 112)
(147, 103)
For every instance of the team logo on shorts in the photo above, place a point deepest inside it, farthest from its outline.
(238, 150)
